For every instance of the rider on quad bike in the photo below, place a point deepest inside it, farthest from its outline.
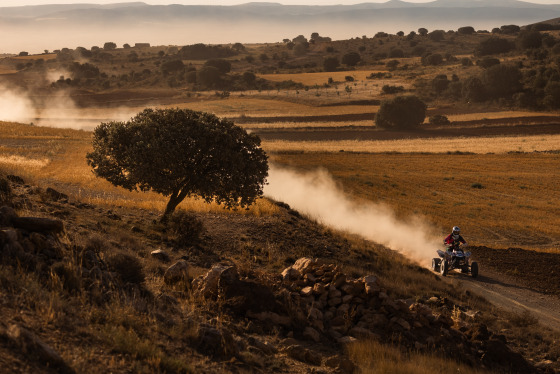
(454, 257)
(454, 237)
(454, 240)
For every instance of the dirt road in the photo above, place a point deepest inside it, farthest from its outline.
(507, 293)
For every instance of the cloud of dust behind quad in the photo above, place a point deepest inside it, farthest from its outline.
(317, 195)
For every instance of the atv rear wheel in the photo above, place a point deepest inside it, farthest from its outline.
(435, 264)
(443, 268)
(474, 269)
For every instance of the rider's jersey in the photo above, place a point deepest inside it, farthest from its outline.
(449, 240)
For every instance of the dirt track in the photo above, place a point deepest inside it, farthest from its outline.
(518, 280)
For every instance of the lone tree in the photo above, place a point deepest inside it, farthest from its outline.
(180, 153)
(402, 112)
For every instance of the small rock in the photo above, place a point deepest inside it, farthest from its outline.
(341, 364)
(160, 255)
(339, 280)
(312, 334)
(290, 274)
(306, 291)
(302, 354)
(53, 194)
(346, 340)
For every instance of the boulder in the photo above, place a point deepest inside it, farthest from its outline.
(305, 265)
(177, 272)
(33, 347)
(207, 285)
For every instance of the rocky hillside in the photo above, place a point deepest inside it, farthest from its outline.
(88, 289)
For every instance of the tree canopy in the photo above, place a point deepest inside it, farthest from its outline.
(180, 153)
(402, 112)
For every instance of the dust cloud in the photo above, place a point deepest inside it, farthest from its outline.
(317, 195)
(54, 110)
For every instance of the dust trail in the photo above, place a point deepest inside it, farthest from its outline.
(15, 106)
(57, 109)
(317, 195)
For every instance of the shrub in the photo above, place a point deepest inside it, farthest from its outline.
(224, 66)
(466, 30)
(392, 65)
(392, 89)
(402, 112)
(5, 189)
(432, 59)
(128, 268)
(396, 53)
(440, 83)
(493, 45)
(473, 90)
(502, 80)
(529, 39)
(488, 62)
(439, 120)
(330, 63)
(185, 228)
(351, 59)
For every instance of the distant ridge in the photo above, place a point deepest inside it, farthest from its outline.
(82, 24)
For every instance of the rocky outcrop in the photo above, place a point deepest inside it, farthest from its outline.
(319, 303)
(33, 347)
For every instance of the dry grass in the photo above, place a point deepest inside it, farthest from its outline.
(497, 199)
(43, 155)
(306, 125)
(257, 107)
(311, 79)
(496, 115)
(480, 145)
(374, 357)
(49, 56)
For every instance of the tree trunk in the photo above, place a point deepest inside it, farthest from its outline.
(174, 200)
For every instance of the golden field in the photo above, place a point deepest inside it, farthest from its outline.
(502, 199)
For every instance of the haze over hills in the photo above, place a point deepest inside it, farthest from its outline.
(35, 28)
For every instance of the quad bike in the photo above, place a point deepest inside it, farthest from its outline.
(454, 258)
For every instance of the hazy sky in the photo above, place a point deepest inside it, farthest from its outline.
(5, 3)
